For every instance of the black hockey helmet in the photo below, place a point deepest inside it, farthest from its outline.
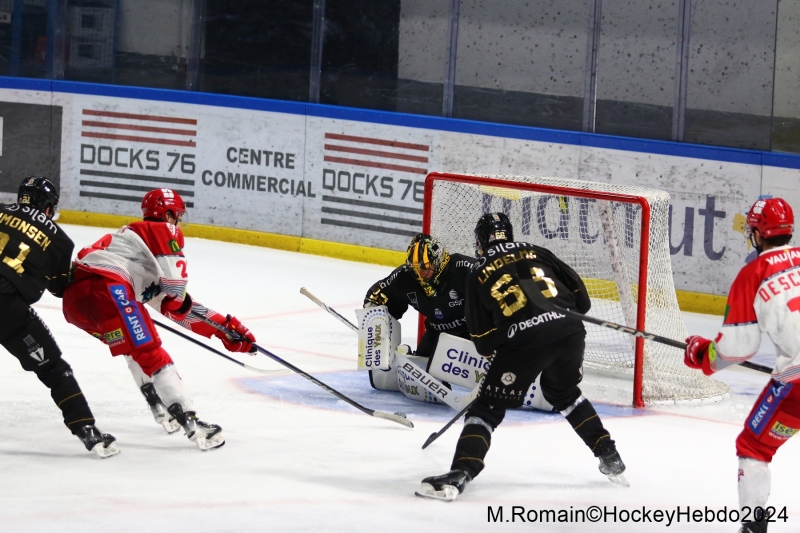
(427, 258)
(40, 193)
(492, 228)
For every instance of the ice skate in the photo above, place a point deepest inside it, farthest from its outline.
(446, 487)
(612, 466)
(206, 436)
(159, 410)
(102, 444)
(753, 527)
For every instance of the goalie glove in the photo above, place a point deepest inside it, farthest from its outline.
(696, 354)
(231, 343)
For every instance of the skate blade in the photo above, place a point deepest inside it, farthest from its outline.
(105, 451)
(447, 494)
(619, 479)
(170, 426)
(209, 444)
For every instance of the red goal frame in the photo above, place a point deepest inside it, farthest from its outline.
(644, 252)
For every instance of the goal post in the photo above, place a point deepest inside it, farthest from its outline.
(616, 237)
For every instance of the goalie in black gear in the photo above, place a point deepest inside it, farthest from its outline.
(526, 341)
(431, 281)
(37, 255)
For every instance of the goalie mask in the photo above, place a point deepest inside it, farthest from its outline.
(492, 228)
(427, 258)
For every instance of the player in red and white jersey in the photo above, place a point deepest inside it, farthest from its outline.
(144, 263)
(765, 296)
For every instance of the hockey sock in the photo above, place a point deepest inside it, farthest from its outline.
(754, 483)
(587, 424)
(67, 395)
(472, 447)
(170, 388)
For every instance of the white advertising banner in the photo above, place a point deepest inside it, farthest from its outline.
(361, 182)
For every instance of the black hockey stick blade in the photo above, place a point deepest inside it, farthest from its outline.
(439, 433)
(331, 311)
(209, 348)
(533, 292)
(377, 414)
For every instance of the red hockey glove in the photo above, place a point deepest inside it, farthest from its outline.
(176, 309)
(236, 344)
(696, 352)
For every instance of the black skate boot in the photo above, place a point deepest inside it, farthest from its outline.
(98, 442)
(612, 466)
(759, 525)
(159, 410)
(206, 436)
(445, 487)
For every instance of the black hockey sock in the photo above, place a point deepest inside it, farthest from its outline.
(472, 447)
(67, 395)
(587, 424)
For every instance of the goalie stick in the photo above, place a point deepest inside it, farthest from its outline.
(209, 348)
(330, 310)
(377, 414)
(533, 292)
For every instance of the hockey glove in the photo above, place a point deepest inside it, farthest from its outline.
(696, 355)
(236, 344)
(175, 309)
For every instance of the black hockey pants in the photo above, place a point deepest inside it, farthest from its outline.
(509, 378)
(24, 334)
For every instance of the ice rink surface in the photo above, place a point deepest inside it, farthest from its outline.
(297, 459)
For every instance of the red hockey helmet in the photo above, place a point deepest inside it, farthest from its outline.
(771, 217)
(158, 202)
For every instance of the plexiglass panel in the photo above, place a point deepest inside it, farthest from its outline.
(786, 120)
(729, 91)
(522, 62)
(257, 48)
(636, 65)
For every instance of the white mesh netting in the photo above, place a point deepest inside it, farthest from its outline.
(601, 240)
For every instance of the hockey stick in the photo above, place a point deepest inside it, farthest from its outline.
(377, 414)
(330, 310)
(229, 358)
(439, 433)
(534, 293)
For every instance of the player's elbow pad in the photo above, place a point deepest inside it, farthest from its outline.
(175, 310)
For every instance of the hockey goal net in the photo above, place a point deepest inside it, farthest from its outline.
(616, 238)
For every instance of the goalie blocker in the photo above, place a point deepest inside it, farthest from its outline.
(392, 368)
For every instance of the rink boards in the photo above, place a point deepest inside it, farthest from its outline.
(313, 178)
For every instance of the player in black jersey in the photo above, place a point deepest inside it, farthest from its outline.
(526, 340)
(431, 281)
(36, 254)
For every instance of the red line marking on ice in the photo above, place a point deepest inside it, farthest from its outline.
(376, 153)
(136, 139)
(381, 142)
(114, 125)
(375, 164)
(135, 116)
